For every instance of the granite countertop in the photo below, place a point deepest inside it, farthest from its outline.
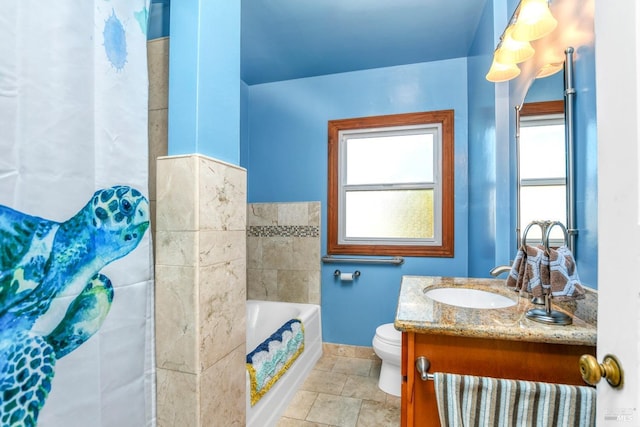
(420, 314)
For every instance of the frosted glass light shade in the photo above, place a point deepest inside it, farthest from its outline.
(534, 20)
(512, 51)
(502, 72)
(549, 69)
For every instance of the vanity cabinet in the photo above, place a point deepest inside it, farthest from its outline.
(533, 361)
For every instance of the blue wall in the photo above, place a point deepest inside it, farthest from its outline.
(586, 153)
(204, 79)
(483, 201)
(287, 161)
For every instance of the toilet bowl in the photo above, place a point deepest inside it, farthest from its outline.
(387, 344)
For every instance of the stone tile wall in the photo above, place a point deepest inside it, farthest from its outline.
(283, 252)
(158, 66)
(200, 292)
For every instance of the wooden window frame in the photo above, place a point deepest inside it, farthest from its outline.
(542, 108)
(446, 249)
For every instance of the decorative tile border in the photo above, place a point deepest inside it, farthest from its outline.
(283, 231)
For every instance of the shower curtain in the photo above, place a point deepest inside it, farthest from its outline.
(76, 321)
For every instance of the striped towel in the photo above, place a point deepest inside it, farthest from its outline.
(465, 400)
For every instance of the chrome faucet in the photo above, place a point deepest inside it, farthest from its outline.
(496, 271)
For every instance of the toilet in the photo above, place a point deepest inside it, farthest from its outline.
(387, 344)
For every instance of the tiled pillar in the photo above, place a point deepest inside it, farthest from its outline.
(200, 292)
(158, 65)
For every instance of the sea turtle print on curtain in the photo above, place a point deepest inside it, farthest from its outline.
(42, 259)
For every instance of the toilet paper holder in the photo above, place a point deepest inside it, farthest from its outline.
(339, 274)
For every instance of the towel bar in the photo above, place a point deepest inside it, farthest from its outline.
(547, 315)
(545, 227)
(548, 233)
(422, 366)
(395, 260)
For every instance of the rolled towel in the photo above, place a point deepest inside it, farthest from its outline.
(273, 357)
(560, 275)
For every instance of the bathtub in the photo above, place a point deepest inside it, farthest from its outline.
(263, 319)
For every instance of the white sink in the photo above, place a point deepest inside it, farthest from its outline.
(469, 298)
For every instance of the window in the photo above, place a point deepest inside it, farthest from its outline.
(542, 164)
(391, 185)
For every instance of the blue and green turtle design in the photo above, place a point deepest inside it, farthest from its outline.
(42, 259)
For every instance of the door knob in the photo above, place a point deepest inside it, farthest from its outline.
(592, 371)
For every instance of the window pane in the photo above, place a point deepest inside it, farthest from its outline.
(390, 214)
(543, 203)
(390, 159)
(542, 152)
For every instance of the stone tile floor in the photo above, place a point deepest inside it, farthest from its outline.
(342, 390)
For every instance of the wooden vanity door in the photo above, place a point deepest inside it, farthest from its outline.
(553, 363)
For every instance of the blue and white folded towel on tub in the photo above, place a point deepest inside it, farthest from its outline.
(465, 400)
(273, 357)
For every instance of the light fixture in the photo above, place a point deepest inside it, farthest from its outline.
(502, 72)
(511, 51)
(549, 69)
(534, 20)
(531, 20)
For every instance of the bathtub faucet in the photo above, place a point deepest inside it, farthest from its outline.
(496, 271)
